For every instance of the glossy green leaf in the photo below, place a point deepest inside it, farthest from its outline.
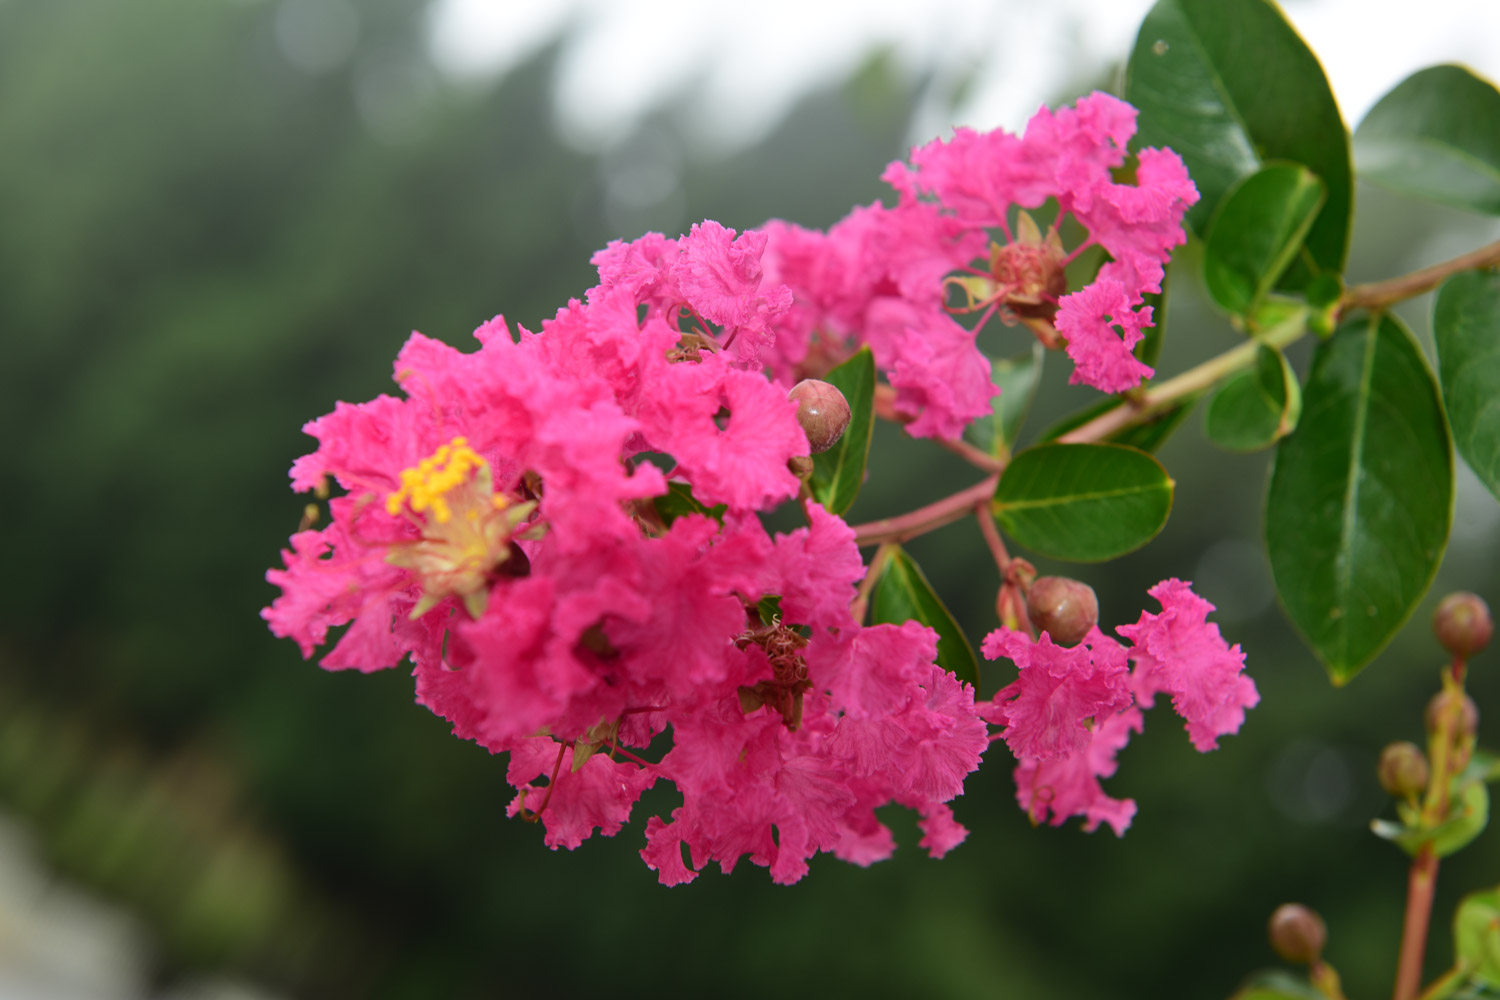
(1278, 984)
(1258, 229)
(1083, 502)
(839, 472)
(1361, 495)
(1228, 85)
(1017, 378)
(1256, 408)
(679, 500)
(1436, 136)
(903, 594)
(1468, 815)
(1476, 936)
(1466, 325)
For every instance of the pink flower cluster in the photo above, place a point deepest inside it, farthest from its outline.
(1070, 711)
(512, 522)
(882, 276)
(498, 528)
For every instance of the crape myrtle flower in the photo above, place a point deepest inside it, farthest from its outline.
(1071, 710)
(883, 275)
(497, 525)
(497, 530)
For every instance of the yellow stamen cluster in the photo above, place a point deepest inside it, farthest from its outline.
(425, 487)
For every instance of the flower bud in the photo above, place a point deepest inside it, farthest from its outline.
(1403, 770)
(1297, 933)
(1065, 609)
(822, 411)
(1441, 704)
(1462, 624)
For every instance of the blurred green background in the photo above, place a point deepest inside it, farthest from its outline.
(202, 247)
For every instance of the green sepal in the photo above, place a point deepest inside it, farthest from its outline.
(1468, 813)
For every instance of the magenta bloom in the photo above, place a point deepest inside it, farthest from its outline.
(1049, 711)
(1071, 710)
(1181, 653)
(498, 528)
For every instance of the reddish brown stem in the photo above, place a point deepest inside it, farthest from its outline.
(925, 519)
(977, 457)
(1378, 294)
(1420, 885)
(992, 537)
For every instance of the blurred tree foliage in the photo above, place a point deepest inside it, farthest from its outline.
(202, 247)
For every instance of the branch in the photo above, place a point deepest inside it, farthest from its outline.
(1378, 294)
(925, 519)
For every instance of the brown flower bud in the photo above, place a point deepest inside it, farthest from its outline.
(822, 411)
(1403, 770)
(1065, 609)
(1462, 624)
(1297, 933)
(1441, 704)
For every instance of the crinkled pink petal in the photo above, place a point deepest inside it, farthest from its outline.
(1181, 653)
(663, 852)
(941, 833)
(744, 464)
(599, 795)
(1069, 786)
(873, 672)
(941, 378)
(1048, 710)
(1088, 318)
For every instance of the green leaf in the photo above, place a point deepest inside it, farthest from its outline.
(1258, 229)
(1361, 495)
(1436, 136)
(1484, 765)
(839, 472)
(1277, 984)
(1256, 408)
(1467, 816)
(1017, 378)
(1083, 502)
(1476, 936)
(1228, 86)
(679, 500)
(903, 594)
(1466, 325)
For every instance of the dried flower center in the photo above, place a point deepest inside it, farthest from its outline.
(467, 528)
(783, 691)
(1029, 271)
